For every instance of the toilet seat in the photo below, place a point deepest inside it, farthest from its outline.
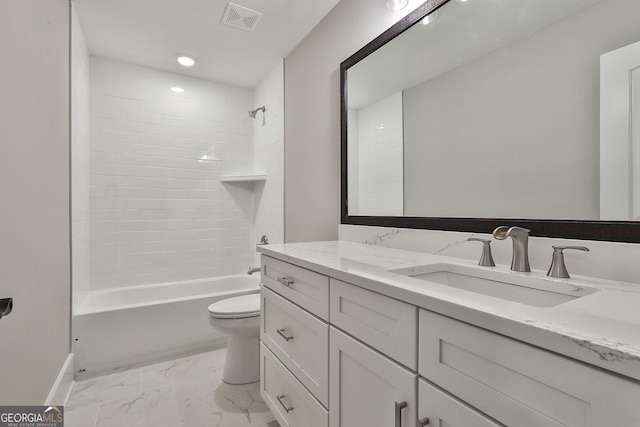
(236, 308)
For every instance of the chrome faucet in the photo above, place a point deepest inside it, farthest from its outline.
(520, 237)
(253, 270)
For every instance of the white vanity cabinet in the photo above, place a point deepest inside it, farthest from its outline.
(305, 288)
(384, 323)
(299, 339)
(518, 384)
(288, 400)
(338, 355)
(367, 388)
(437, 408)
(294, 350)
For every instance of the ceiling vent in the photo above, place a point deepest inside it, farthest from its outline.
(241, 17)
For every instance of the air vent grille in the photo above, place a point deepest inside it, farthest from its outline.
(240, 17)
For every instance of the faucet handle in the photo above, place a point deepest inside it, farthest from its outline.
(486, 260)
(558, 268)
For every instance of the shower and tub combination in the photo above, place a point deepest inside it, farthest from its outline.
(159, 231)
(118, 328)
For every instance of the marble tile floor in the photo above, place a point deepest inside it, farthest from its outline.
(184, 392)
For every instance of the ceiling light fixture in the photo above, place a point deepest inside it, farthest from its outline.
(429, 18)
(177, 89)
(396, 4)
(186, 61)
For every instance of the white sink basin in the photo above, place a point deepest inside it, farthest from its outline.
(518, 287)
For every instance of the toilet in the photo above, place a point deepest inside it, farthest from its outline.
(239, 318)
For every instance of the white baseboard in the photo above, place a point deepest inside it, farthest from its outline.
(61, 388)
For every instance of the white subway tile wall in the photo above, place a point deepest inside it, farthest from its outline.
(268, 143)
(158, 209)
(376, 160)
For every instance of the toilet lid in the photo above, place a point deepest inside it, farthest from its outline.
(236, 307)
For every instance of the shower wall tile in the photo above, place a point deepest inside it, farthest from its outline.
(269, 159)
(158, 209)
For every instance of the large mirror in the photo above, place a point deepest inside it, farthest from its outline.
(468, 114)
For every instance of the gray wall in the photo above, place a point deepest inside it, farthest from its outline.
(34, 195)
(312, 115)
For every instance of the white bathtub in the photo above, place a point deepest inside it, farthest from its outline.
(117, 328)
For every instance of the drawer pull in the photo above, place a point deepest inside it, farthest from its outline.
(399, 407)
(284, 405)
(423, 422)
(283, 335)
(286, 281)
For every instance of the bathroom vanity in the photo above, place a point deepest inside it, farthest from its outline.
(358, 335)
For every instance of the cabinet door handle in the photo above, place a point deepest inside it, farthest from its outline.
(399, 407)
(285, 281)
(284, 405)
(423, 422)
(283, 335)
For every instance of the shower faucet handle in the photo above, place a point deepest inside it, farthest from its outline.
(486, 259)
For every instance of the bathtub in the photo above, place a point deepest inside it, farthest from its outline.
(118, 328)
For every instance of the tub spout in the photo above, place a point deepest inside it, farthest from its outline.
(253, 270)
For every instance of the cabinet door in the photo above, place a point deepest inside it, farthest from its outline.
(287, 399)
(384, 323)
(518, 384)
(299, 340)
(366, 388)
(308, 289)
(436, 408)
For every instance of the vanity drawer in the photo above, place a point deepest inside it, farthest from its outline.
(299, 339)
(290, 402)
(518, 384)
(386, 324)
(443, 410)
(306, 288)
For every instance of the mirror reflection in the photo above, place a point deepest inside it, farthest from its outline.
(492, 109)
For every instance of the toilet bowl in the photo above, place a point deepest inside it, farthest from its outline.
(239, 318)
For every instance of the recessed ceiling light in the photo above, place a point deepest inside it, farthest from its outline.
(186, 61)
(429, 18)
(396, 4)
(461, 1)
(177, 89)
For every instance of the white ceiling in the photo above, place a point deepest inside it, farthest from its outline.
(152, 32)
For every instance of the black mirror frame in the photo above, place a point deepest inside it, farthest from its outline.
(613, 231)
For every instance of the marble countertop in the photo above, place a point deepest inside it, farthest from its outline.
(602, 328)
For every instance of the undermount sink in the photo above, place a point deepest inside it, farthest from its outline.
(518, 287)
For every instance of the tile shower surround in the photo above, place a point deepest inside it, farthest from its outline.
(158, 209)
(184, 392)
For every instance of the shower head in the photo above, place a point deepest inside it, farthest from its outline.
(253, 113)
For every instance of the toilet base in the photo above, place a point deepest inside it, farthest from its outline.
(242, 364)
